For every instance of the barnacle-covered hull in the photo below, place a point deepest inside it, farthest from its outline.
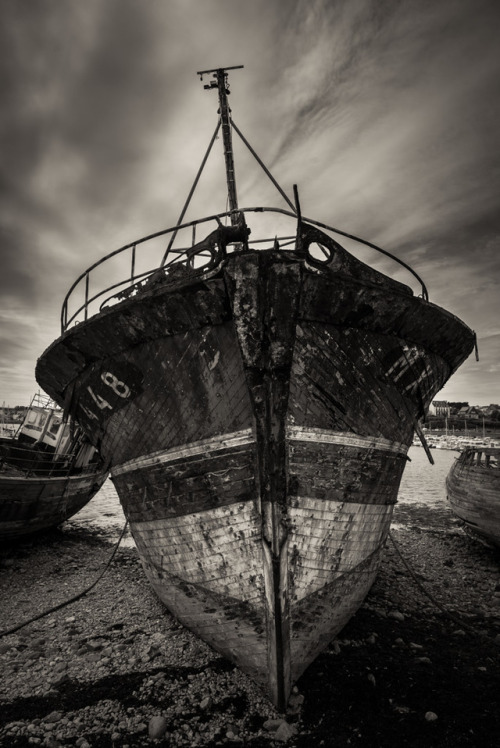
(256, 419)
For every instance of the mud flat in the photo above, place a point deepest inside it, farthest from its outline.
(418, 665)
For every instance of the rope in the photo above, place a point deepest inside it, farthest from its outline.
(72, 599)
(431, 597)
(264, 167)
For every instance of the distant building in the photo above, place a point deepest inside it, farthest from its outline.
(440, 408)
(470, 411)
(464, 411)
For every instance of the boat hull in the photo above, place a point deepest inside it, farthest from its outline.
(31, 504)
(215, 567)
(256, 424)
(473, 492)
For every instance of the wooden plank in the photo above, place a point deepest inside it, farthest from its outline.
(29, 505)
(258, 432)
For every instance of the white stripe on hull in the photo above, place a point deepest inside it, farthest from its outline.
(324, 436)
(204, 446)
(246, 436)
(81, 481)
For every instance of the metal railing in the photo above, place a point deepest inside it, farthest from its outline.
(25, 462)
(132, 281)
(481, 457)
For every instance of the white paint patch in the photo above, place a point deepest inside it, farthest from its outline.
(215, 361)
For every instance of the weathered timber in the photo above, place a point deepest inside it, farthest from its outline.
(259, 448)
(48, 472)
(473, 492)
(255, 406)
(29, 505)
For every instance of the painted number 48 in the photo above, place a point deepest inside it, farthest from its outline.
(118, 387)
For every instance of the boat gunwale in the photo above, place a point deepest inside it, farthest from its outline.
(469, 456)
(99, 470)
(65, 344)
(184, 254)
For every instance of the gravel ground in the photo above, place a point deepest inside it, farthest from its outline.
(115, 669)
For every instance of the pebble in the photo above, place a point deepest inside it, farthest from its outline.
(295, 702)
(54, 717)
(396, 615)
(146, 653)
(59, 680)
(157, 727)
(272, 724)
(232, 733)
(285, 731)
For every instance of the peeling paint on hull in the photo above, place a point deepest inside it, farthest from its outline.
(257, 424)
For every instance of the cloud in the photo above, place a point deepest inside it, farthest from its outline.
(392, 97)
(384, 113)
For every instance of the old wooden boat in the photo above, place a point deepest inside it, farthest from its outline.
(255, 395)
(48, 471)
(473, 492)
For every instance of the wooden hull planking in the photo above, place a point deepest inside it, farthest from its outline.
(32, 504)
(257, 425)
(473, 491)
(215, 568)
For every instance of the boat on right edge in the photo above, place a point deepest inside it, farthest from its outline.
(473, 492)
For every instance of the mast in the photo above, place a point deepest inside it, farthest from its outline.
(221, 83)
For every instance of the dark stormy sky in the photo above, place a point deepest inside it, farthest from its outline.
(385, 112)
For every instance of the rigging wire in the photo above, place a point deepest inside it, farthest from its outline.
(264, 167)
(191, 192)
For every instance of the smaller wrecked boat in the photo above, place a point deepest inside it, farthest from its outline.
(48, 471)
(473, 491)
